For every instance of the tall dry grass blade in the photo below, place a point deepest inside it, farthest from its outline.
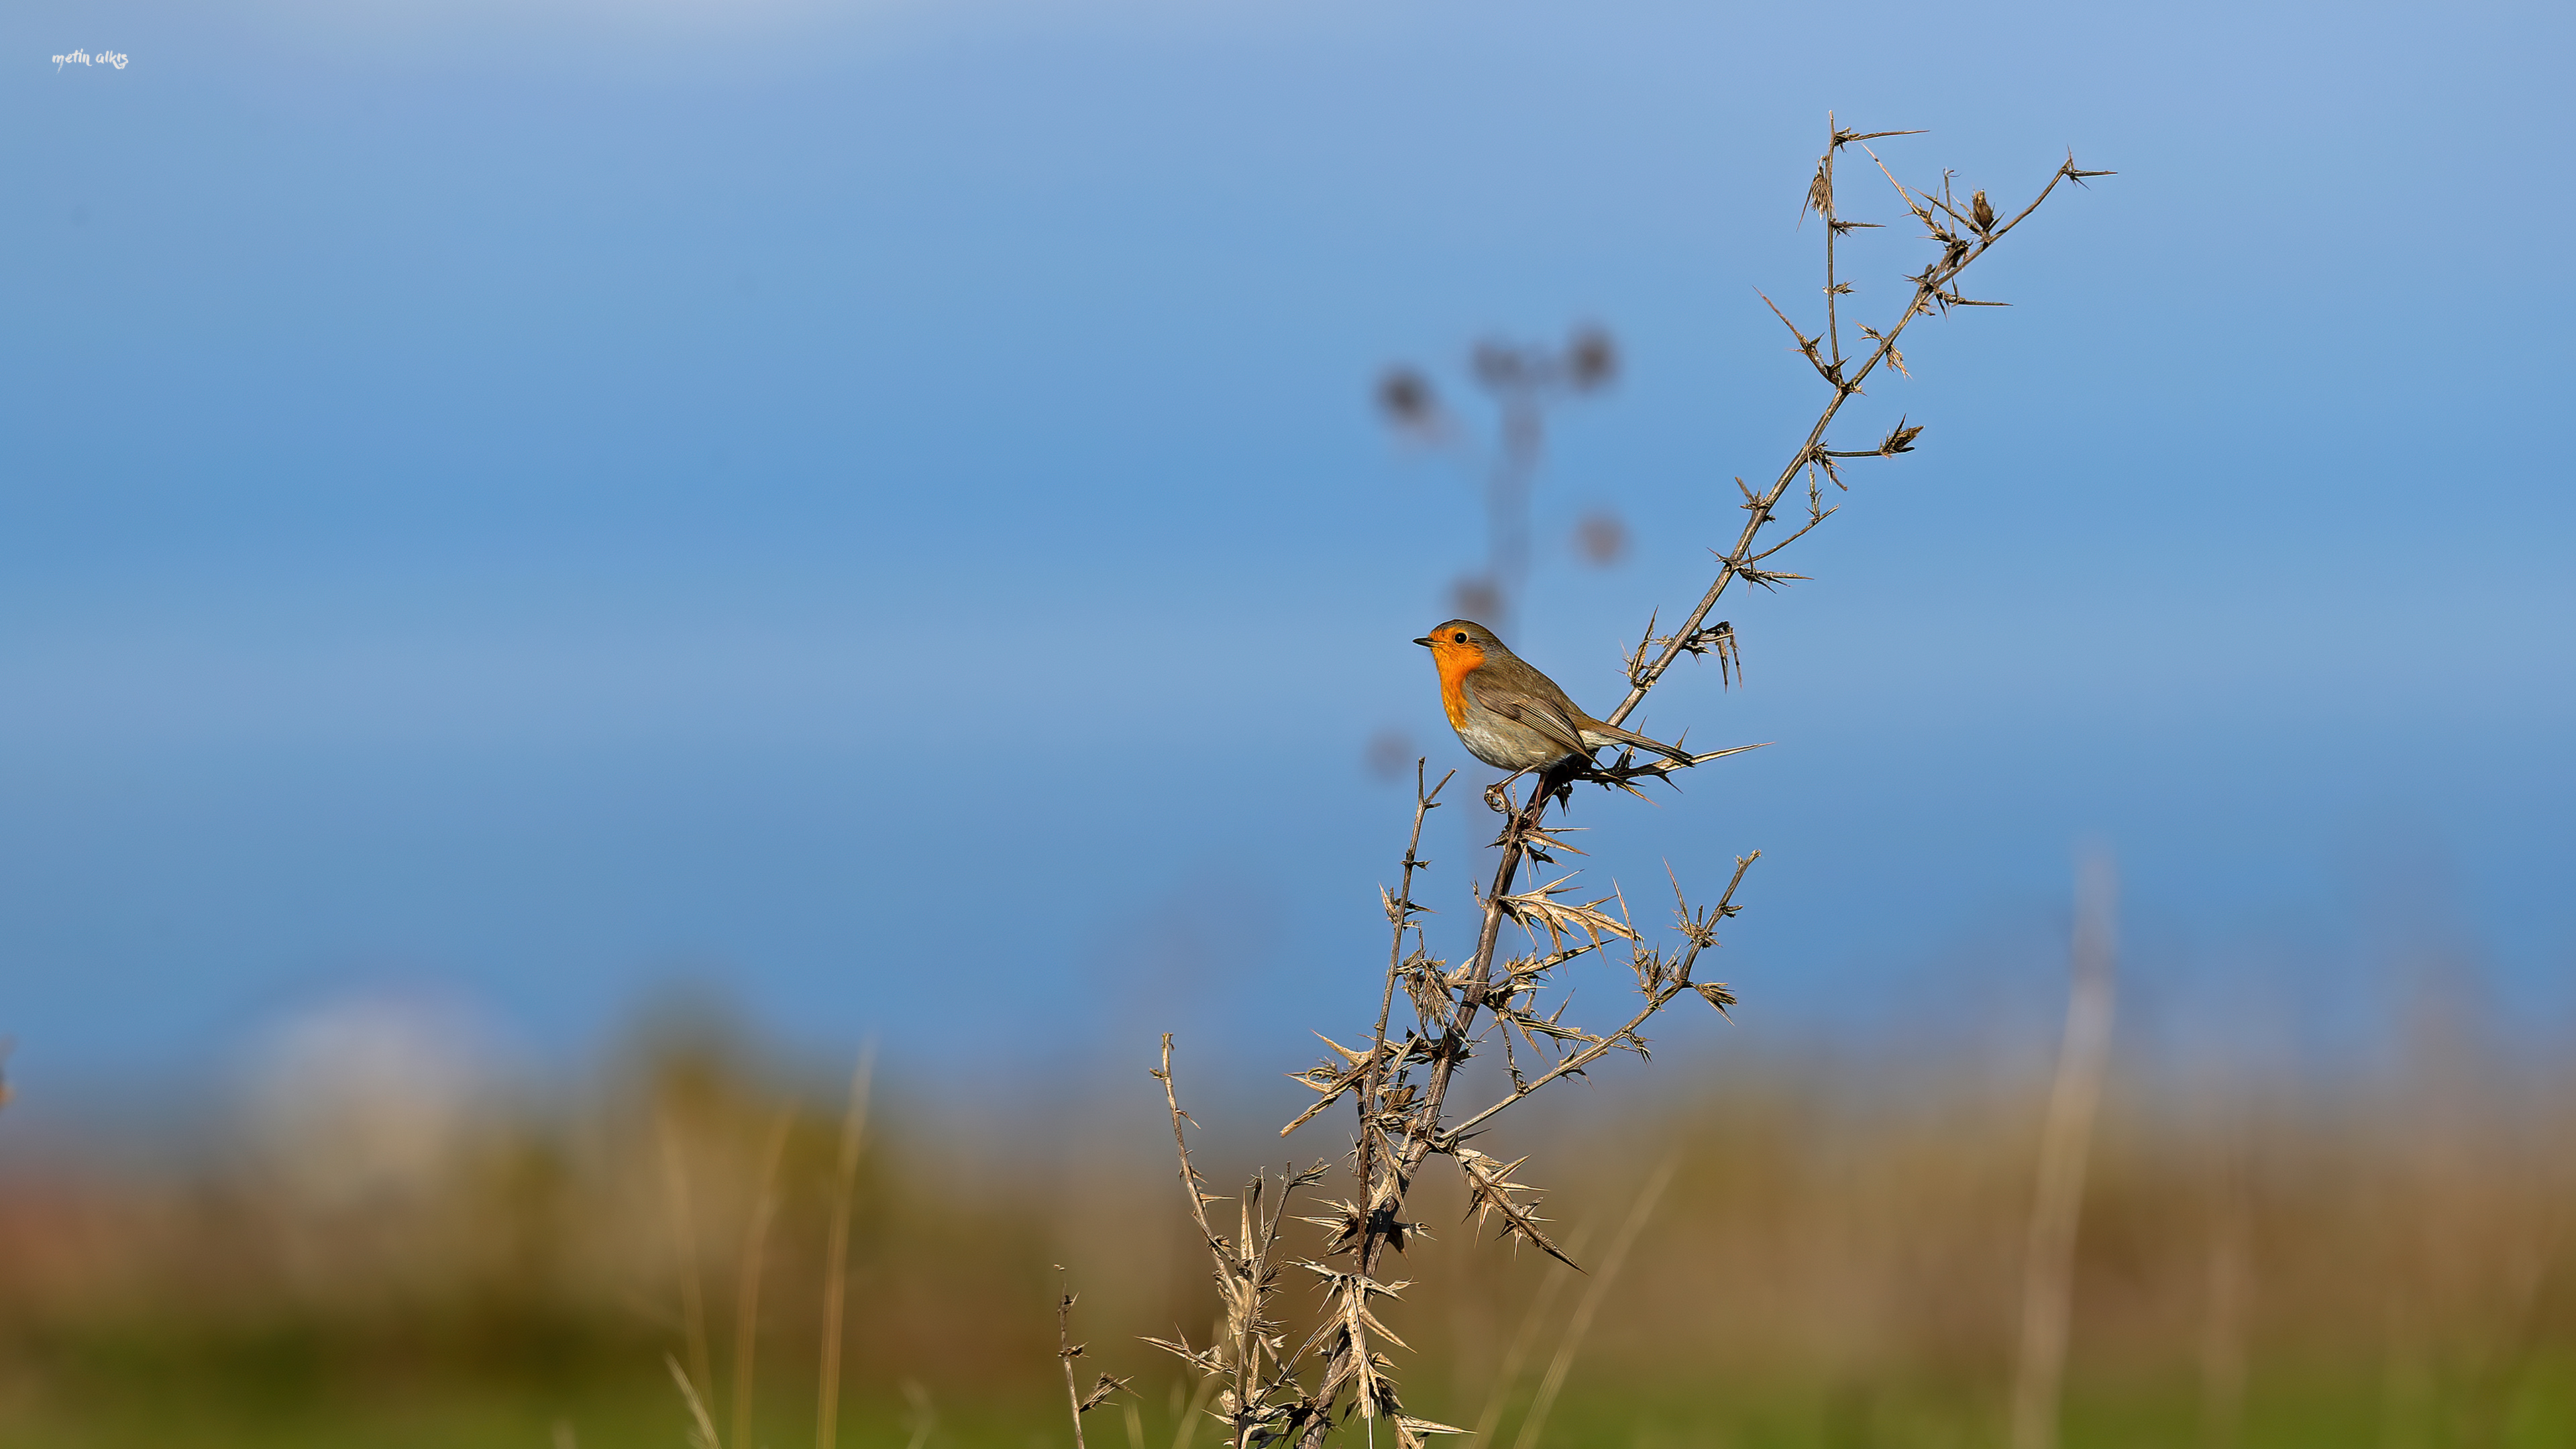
(684, 1227)
(702, 1430)
(1598, 1289)
(2065, 1143)
(746, 1299)
(1189, 1424)
(1524, 1343)
(836, 1256)
(925, 1413)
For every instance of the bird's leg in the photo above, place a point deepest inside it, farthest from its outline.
(1498, 795)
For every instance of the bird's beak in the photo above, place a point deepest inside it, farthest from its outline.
(1425, 643)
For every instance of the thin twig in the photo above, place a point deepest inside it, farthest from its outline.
(1190, 1178)
(1833, 289)
(1399, 911)
(1655, 1001)
(1066, 1350)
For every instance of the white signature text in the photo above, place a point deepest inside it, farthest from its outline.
(115, 58)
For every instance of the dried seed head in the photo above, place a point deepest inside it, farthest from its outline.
(1591, 359)
(1981, 211)
(1405, 396)
(1601, 538)
(1498, 365)
(1389, 752)
(1820, 195)
(1476, 598)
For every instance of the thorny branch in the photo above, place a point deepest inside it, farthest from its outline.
(1261, 1410)
(1066, 1351)
(1402, 1087)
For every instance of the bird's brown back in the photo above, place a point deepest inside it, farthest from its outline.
(1506, 678)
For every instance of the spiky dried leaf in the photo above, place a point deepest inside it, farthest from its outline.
(1539, 842)
(1766, 578)
(1331, 1081)
(1489, 1194)
(1539, 910)
(1205, 1360)
(1895, 358)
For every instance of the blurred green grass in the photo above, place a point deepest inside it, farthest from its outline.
(638, 1410)
(1836, 1264)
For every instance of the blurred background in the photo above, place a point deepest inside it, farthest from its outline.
(565, 566)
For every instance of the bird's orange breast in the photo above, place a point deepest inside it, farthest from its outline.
(1455, 664)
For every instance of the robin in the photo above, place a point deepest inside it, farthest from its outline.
(1511, 716)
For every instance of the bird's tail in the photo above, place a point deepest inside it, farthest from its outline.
(1613, 735)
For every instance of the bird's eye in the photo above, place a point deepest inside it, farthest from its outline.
(1458, 638)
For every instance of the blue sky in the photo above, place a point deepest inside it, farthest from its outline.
(873, 509)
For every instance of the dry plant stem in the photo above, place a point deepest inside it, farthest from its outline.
(693, 1306)
(1741, 561)
(1662, 997)
(702, 1433)
(1833, 289)
(1064, 1353)
(1397, 1132)
(836, 1268)
(1930, 288)
(1593, 1293)
(755, 1244)
(1246, 1280)
(1399, 911)
(2065, 1142)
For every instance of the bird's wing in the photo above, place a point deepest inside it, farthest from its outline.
(1546, 716)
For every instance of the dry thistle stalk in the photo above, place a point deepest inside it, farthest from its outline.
(1400, 1088)
(1066, 1351)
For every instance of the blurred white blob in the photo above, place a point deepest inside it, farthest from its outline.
(366, 1099)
